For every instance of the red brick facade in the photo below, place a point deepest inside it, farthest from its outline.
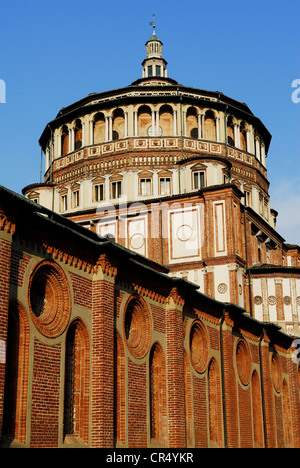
(142, 360)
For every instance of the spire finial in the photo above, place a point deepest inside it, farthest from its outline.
(153, 24)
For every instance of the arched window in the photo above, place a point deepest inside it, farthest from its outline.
(144, 120)
(64, 140)
(99, 128)
(257, 411)
(192, 123)
(16, 377)
(158, 395)
(215, 410)
(210, 126)
(76, 401)
(120, 403)
(118, 124)
(166, 120)
(78, 135)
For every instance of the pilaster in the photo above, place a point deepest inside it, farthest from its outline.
(102, 434)
(175, 371)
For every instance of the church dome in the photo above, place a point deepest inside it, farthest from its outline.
(191, 162)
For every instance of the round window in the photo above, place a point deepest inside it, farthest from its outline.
(199, 346)
(49, 299)
(137, 327)
(276, 372)
(243, 362)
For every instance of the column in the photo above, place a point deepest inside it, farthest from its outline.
(257, 145)
(153, 123)
(238, 132)
(110, 131)
(236, 136)
(135, 124)
(83, 133)
(203, 126)
(91, 132)
(70, 140)
(73, 139)
(175, 122)
(248, 140)
(59, 145)
(199, 126)
(106, 129)
(126, 124)
(157, 124)
(218, 128)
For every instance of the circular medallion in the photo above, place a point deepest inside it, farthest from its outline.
(257, 300)
(272, 300)
(184, 233)
(287, 300)
(243, 361)
(137, 241)
(49, 299)
(222, 288)
(276, 372)
(137, 327)
(199, 346)
(152, 131)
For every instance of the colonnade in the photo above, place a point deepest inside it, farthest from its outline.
(185, 121)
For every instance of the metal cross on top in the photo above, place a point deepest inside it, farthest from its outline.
(153, 24)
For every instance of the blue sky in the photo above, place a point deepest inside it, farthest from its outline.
(54, 53)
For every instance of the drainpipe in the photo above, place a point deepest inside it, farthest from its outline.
(226, 140)
(263, 402)
(225, 124)
(223, 380)
(161, 232)
(247, 262)
(181, 137)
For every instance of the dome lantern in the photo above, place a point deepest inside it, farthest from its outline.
(154, 64)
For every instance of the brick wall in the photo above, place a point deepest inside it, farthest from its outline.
(19, 263)
(137, 405)
(45, 395)
(82, 288)
(5, 260)
(191, 412)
